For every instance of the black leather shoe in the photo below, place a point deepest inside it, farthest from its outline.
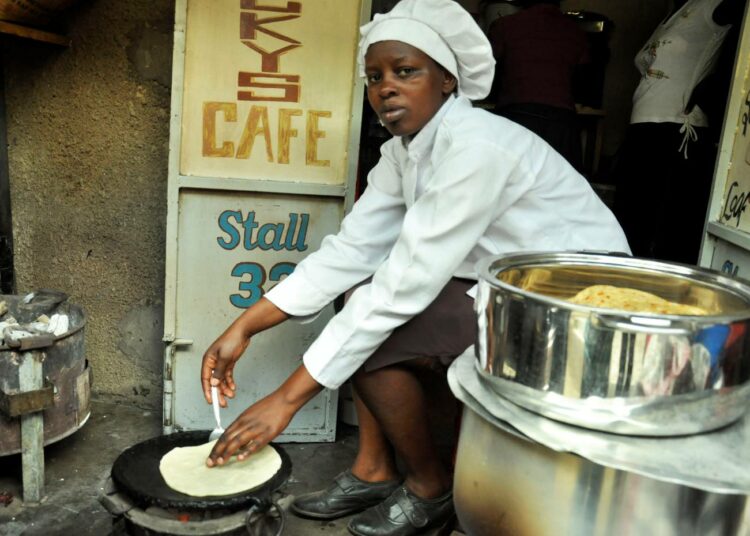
(346, 495)
(403, 514)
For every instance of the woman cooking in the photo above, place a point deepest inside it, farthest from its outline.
(453, 185)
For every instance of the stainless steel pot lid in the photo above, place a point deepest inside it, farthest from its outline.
(717, 462)
(555, 277)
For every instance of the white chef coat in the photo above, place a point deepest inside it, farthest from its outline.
(468, 185)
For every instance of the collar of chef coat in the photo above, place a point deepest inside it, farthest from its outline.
(419, 147)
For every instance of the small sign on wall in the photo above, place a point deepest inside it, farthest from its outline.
(236, 246)
(734, 211)
(731, 260)
(268, 89)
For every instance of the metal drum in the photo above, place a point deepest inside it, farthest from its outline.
(64, 397)
(520, 474)
(607, 369)
(508, 485)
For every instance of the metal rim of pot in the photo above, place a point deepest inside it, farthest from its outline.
(488, 268)
(590, 366)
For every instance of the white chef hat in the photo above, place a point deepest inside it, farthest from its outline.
(443, 30)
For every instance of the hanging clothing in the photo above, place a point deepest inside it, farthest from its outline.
(665, 165)
(662, 198)
(681, 52)
(537, 50)
(468, 185)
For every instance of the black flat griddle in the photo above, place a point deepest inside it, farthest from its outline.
(136, 473)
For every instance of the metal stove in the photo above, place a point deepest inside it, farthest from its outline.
(142, 504)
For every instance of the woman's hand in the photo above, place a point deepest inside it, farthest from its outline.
(254, 428)
(219, 361)
(262, 422)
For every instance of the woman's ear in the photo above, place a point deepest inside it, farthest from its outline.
(449, 83)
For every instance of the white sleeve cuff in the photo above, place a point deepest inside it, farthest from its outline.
(296, 296)
(318, 373)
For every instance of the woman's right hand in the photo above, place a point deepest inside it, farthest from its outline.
(218, 363)
(223, 354)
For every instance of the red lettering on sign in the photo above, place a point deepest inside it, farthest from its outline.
(291, 7)
(250, 24)
(291, 89)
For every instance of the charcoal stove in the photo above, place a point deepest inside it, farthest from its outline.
(142, 504)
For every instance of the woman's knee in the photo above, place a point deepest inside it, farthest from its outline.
(361, 379)
(369, 383)
(419, 365)
(405, 373)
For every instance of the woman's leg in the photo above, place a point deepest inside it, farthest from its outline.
(372, 479)
(446, 328)
(396, 400)
(374, 461)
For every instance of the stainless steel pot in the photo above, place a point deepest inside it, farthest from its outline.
(622, 372)
(508, 485)
(518, 473)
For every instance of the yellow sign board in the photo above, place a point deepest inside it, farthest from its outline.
(268, 89)
(734, 211)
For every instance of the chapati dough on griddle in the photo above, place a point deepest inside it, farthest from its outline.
(184, 469)
(633, 300)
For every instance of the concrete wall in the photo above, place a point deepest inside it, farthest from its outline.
(88, 143)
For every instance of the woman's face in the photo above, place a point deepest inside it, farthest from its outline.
(405, 86)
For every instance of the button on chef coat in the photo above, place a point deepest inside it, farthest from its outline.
(468, 185)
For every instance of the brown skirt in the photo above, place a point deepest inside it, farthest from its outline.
(444, 330)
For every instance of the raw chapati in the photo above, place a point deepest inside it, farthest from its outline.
(630, 299)
(184, 469)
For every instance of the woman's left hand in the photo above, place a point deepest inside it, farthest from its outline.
(262, 422)
(257, 426)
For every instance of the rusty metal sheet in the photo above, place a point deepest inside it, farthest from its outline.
(18, 403)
